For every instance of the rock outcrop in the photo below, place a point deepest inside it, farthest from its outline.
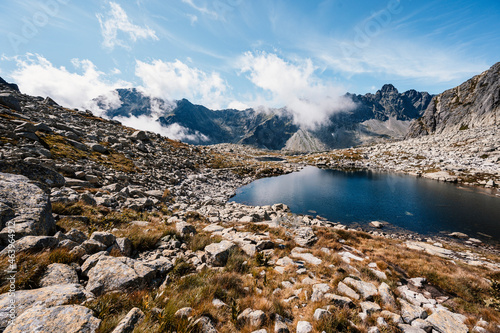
(473, 104)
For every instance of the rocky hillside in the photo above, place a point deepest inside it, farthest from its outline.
(382, 116)
(106, 228)
(473, 104)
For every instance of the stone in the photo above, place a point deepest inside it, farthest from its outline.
(98, 148)
(183, 312)
(91, 261)
(366, 290)
(118, 273)
(405, 328)
(67, 244)
(385, 293)
(32, 244)
(373, 329)
(254, 318)
(460, 235)
(340, 301)
(124, 245)
(48, 296)
(344, 289)
(218, 303)
(31, 206)
(58, 274)
(320, 314)
(10, 100)
(57, 319)
(422, 324)
(376, 224)
(92, 246)
(410, 312)
(307, 257)
(319, 290)
(369, 307)
(379, 274)
(218, 253)
(139, 135)
(105, 238)
(184, 228)
(305, 236)
(127, 324)
(76, 236)
(304, 327)
(204, 325)
(280, 324)
(444, 321)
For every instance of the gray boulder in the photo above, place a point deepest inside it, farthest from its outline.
(48, 296)
(31, 205)
(57, 319)
(304, 327)
(10, 100)
(304, 236)
(255, 318)
(33, 244)
(184, 228)
(445, 321)
(127, 324)
(59, 274)
(105, 238)
(118, 273)
(410, 312)
(218, 253)
(365, 289)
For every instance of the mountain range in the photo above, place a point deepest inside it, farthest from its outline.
(385, 115)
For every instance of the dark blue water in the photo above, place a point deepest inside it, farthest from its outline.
(417, 204)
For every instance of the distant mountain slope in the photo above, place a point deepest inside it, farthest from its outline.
(377, 117)
(474, 103)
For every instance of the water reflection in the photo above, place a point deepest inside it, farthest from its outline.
(416, 204)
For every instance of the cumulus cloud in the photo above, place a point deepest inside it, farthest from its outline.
(295, 85)
(174, 131)
(117, 20)
(176, 80)
(35, 75)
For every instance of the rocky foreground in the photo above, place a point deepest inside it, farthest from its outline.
(109, 229)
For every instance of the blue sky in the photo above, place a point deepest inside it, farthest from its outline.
(241, 53)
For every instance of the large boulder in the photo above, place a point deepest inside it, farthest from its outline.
(59, 274)
(32, 244)
(118, 274)
(445, 321)
(10, 100)
(43, 176)
(366, 289)
(31, 207)
(48, 296)
(57, 319)
(304, 236)
(218, 253)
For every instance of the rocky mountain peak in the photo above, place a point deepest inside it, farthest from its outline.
(388, 89)
(474, 103)
(4, 85)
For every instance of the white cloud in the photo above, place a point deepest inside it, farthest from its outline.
(174, 131)
(296, 86)
(176, 80)
(202, 9)
(192, 18)
(35, 75)
(116, 21)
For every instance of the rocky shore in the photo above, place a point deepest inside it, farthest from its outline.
(106, 228)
